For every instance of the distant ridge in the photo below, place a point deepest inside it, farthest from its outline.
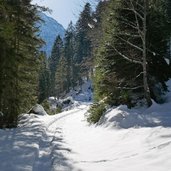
(49, 29)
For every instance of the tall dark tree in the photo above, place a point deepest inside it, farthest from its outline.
(57, 51)
(44, 79)
(61, 82)
(83, 42)
(169, 18)
(19, 47)
(69, 53)
(129, 54)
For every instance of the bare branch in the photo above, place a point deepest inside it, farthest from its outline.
(130, 88)
(129, 43)
(154, 53)
(139, 75)
(129, 35)
(138, 4)
(127, 58)
(137, 22)
(129, 24)
(133, 9)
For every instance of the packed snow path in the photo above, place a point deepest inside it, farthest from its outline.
(65, 142)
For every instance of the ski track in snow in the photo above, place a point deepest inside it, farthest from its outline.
(66, 142)
(52, 147)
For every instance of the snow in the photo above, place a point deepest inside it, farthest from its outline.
(123, 140)
(95, 20)
(167, 61)
(83, 93)
(74, 98)
(90, 25)
(38, 109)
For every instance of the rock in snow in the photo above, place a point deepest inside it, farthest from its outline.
(38, 109)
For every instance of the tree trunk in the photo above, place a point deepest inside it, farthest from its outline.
(145, 78)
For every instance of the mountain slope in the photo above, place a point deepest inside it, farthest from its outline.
(49, 29)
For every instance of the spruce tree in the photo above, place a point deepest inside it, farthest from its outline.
(19, 45)
(61, 82)
(57, 51)
(69, 53)
(129, 53)
(44, 79)
(83, 42)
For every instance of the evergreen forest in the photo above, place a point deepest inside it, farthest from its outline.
(123, 46)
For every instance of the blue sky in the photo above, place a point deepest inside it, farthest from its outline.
(63, 10)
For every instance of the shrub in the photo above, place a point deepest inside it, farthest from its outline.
(46, 106)
(58, 110)
(49, 110)
(96, 111)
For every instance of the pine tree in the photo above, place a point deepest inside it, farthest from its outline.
(44, 79)
(126, 59)
(57, 51)
(69, 53)
(168, 4)
(97, 31)
(158, 35)
(83, 42)
(18, 78)
(61, 81)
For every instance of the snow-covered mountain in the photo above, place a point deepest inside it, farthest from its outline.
(49, 29)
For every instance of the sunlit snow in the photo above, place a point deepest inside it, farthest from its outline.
(123, 140)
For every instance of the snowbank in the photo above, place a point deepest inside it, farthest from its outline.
(66, 142)
(122, 117)
(156, 115)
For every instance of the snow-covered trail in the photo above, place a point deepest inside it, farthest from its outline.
(60, 150)
(66, 142)
(78, 146)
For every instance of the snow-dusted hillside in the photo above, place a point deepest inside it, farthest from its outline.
(49, 29)
(124, 140)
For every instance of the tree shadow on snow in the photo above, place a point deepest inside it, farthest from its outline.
(30, 148)
(131, 118)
